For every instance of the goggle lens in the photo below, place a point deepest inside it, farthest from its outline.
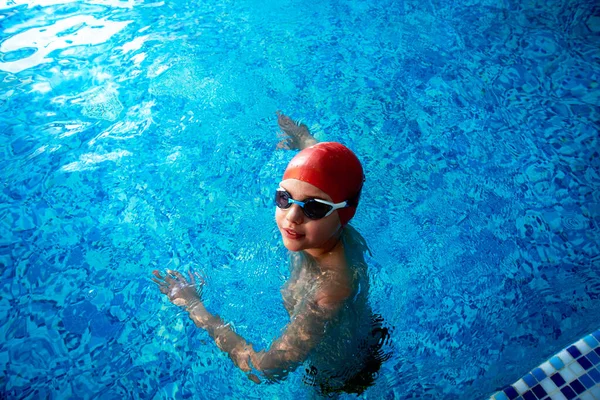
(311, 208)
(315, 210)
(282, 199)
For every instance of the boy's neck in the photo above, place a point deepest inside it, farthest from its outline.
(331, 246)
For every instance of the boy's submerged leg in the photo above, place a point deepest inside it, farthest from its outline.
(298, 135)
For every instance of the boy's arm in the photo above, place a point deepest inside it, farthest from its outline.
(298, 136)
(301, 335)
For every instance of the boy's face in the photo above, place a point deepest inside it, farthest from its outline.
(300, 232)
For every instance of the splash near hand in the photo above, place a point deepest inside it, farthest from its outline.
(181, 291)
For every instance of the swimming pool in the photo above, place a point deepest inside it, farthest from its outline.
(138, 135)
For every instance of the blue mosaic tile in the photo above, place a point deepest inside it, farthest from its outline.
(558, 379)
(591, 341)
(597, 335)
(595, 375)
(582, 346)
(587, 381)
(528, 395)
(539, 391)
(539, 374)
(501, 396)
(557, 362)
(584, 362)
(577, 386)
(594, 358)
(530, 380)
(568, 392)
(574, 351)
(511, 393)
(567, 372)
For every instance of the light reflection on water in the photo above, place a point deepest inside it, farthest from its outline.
(69, 32)
(9, 4)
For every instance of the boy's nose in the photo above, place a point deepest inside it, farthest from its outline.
(295, 214)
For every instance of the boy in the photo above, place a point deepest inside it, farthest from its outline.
(331, 324)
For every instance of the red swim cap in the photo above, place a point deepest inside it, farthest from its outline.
(333, 168)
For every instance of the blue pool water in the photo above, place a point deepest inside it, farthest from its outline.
(141, 134)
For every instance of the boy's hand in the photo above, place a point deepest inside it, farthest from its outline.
(296, 136)
(180, 291)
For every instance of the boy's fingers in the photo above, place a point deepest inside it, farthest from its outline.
(157, 274)
(177, 275)
(159, 283)
(191, 277)
(253, 378)
(202, 282)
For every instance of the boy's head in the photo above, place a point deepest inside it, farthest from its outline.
(334, 169)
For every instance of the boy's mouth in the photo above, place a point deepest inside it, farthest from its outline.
(290, 234)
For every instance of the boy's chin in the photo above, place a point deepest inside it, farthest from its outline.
(292, 246)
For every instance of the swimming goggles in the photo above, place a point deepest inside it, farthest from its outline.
(312, 208)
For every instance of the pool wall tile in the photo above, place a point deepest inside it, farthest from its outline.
(595, 374)
(583, 347)
(549, 386)
(500, 396)
(557, 362)
(587, 396)
(572, 373)
(585, 362)
(587, 381)
(548, 368)
(565, 357)
(539, 391)
(573, 351)
(529, 395)
(539, 374)
(558, 379)
(522, 387)
(567, 374)
(576, 368)
(577, 386)
(594, 358)
(558, 396)
(530, 380)
(568, 392)
(591, 341)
